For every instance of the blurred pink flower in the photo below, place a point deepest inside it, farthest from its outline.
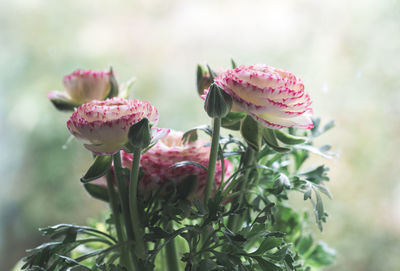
(273, 97)
(103, 125)
(82, 87)
(158, 161)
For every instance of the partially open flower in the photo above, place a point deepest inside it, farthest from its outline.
(82, 87)
(103, 125)
(273, 97)
(157, 163)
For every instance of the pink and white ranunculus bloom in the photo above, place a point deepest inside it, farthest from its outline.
(82, 87)
(158, 161)
(103, 125)
(273, 97)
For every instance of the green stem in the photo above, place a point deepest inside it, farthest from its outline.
(234, 222)
(115, 213)
(171, 255)
(124, 200)
(135, 218)
(210, 181)
(213, 159)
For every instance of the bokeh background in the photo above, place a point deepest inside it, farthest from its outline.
(346, 52)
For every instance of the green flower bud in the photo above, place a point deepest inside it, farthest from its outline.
(218, 103)
(139, 134)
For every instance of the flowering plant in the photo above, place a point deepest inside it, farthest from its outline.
(182, 202)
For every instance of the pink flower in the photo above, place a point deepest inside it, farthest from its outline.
(273, 97)
(82, 87)
(103, 125)
(158, 161)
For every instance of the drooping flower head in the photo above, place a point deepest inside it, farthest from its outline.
(103, 125)
(273, 97)
(82, 86)
(157, 163)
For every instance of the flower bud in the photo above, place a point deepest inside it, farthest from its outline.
(139, 134)
(218, 104)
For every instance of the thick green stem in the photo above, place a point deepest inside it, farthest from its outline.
(171, 255)
(124, 200)
(135, 218)
(115, 213)
(213, 159)
(234, 222)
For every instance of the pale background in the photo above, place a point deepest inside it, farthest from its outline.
(346, 52)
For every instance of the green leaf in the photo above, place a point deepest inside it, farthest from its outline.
(282, 182)
(250, 131)
(208, 265)
(232, 120)
(267, 244)
(266, 265)
(270, 139)
(97, 191)
(324, 189)
(321, 255)
(320, 152)
(319, 209)
(304, 244)
(99, 168)
(289, 139)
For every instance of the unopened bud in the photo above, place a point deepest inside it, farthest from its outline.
(139, 134)
(218, 103)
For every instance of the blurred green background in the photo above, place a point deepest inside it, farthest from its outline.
(346, 52)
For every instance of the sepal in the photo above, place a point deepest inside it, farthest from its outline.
(251, 132)
(114, 88)
(61, 101)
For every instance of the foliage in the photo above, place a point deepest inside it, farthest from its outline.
(270, 234)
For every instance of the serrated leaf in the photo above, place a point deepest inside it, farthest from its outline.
(250, 130)
(99, 168)
(289, 139)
